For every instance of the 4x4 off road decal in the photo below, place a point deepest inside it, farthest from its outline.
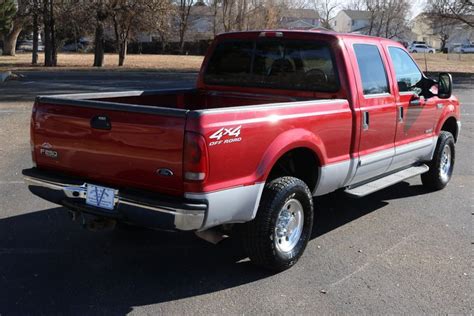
(226, 136)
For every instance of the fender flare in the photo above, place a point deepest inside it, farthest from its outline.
(448, 113)
(285, 142)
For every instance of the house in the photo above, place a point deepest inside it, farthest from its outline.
(300, 19)
(423, 30)
(351, 21)
(200, 23)
(432, 30)
(202, 27)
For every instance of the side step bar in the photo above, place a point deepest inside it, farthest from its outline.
(382, 183)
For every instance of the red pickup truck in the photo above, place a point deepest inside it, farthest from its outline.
(276, 118)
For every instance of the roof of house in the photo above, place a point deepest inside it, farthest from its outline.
(201, 10)
(427, 15)
(358, 14)
(300, 13)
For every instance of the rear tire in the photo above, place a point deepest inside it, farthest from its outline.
(441, 167)
(278, 235)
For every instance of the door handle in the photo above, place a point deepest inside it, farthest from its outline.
(365, 120)
(400, 114)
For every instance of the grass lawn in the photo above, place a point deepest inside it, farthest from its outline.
(446, 62)
(435, 62)
(22, 61)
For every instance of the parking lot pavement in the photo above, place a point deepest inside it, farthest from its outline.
(401, 250)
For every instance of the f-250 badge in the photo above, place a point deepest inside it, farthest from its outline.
(226, 136)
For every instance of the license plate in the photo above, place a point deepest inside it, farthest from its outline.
(100, 197)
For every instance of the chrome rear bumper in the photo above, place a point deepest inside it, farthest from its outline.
(143, 209)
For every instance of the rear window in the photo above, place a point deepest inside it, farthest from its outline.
(273, 63)
(371, 68)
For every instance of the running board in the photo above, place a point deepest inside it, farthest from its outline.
(382, 183)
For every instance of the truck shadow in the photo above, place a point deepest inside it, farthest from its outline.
(49, 264)
(336, 209)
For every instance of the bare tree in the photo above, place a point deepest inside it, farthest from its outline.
(214, 5)
(126, 17)
(36, 11)
(100, 9)
(227, 8)
(184, 9)
(158, 19)
(458, 10)
(386, 18)
(353, 5)
(327, 10)
(444, 28)
(50, 52)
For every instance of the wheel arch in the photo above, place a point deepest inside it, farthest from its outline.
(299, 162)
(450, 124)
(298, 147)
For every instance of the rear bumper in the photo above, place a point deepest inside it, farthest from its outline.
(138, 207)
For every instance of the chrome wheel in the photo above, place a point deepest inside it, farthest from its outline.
(445, 164)
(289, 226)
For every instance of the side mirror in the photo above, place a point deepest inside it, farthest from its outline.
(445, 85)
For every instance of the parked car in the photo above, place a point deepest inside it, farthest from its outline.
(422, 48)
(79, 46)
(464, 49)
(276, 118)
(27, 46)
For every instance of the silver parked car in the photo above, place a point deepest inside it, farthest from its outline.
(464, 49)
(422, 48)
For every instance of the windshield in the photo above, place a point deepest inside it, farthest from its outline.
(273, 63)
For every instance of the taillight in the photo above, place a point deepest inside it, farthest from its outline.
(195, 160)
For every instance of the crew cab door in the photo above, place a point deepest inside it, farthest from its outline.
(414, 140)
(377, 108)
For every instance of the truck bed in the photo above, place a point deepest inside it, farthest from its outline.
(129, 146)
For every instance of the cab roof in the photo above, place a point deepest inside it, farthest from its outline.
(321, 33)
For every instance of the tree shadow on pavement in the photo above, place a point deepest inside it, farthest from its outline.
(48, 264)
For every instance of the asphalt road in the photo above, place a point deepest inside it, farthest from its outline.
(401, 250)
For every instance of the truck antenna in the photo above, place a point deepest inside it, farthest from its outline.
(426, 62)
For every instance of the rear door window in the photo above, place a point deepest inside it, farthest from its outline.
(372, 70)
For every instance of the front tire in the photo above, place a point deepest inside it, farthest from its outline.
(278, 235)
(442, 165)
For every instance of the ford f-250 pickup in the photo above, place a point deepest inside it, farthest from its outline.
(276, 118)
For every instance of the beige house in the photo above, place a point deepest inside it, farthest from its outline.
(351, 21)
(423, 30)
(429, 30)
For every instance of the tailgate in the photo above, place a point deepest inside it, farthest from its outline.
(77, 140)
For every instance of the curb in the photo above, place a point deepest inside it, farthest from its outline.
(5, 75)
